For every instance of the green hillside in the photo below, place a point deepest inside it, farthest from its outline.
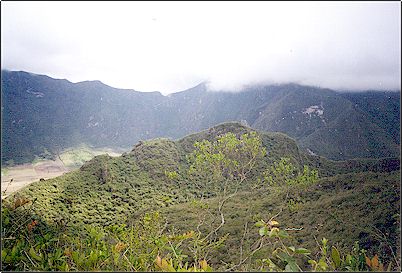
(344, 209)
(41, 115)
(83, 219)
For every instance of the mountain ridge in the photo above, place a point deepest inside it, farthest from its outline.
(43, 114)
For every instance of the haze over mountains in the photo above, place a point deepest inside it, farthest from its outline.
(43, 116)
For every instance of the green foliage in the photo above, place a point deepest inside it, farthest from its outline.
(100, 216)
(147, 246)
(344, 209)
(137, 247)
(224, 164)
(157, 156)
(289, 258)
(330, 259)
(284, 173)
(283, 258)
(172, 175)
(284, 178)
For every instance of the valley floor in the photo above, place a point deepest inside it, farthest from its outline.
(18, 177)
(23, 175)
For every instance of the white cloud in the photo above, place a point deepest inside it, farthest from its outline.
(171, 46)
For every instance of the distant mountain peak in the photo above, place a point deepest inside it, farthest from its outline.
(199, 88)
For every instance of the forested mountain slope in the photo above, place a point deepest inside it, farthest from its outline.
(41, 115)
(353, 200)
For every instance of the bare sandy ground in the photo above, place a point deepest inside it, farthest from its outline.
(23, 175)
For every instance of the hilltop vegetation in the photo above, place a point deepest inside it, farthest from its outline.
(41, 115)
(154, 208)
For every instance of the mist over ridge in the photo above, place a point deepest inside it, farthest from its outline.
(169, 47)
(44, 114)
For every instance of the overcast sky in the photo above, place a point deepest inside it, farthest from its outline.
(173, 46)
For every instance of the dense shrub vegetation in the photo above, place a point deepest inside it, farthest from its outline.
(228, 198)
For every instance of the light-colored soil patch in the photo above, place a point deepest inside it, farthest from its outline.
(25, 174)
(22, 175)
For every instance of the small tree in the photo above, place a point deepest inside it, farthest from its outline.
(222, 166)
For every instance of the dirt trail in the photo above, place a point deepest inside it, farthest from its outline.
(25, 174)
